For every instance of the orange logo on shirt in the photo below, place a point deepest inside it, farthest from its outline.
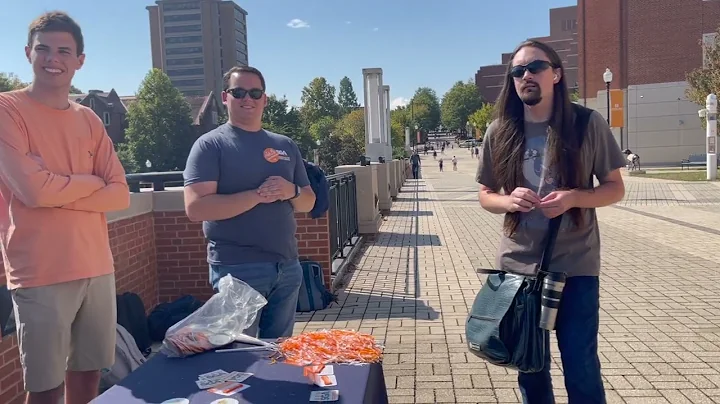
(271, 155)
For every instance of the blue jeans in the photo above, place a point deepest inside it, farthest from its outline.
(279, 283)
(576, 328)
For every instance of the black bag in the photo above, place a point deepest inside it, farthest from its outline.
(131, 315)
(503, 324)
(166, 315)
(313, 293)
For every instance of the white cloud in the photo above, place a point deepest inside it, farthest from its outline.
(399, 102)
(298, 23)
(348, 22)
(376, 29)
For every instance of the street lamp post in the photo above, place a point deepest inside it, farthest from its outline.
(607, 78)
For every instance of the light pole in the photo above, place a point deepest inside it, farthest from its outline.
(710, 113)
(607, 78)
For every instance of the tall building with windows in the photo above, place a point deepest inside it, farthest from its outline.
(196, 41)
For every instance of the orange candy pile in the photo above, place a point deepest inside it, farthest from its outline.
(330, 346)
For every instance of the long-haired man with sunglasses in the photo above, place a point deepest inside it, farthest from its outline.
(245, 183)
(545, 163)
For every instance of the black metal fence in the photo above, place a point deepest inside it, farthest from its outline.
(158, 181)
(343, 213)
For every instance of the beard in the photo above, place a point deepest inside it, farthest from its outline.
(531, 96)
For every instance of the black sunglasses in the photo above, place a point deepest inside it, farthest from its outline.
(240, 93)
(534, 67)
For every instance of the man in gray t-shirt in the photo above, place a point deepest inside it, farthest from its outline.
(246, 184)
(520, 177)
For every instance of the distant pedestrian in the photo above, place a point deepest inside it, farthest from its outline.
(454, 161)
(441, 164)
(415, 161)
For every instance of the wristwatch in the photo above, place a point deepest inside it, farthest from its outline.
(297, 192)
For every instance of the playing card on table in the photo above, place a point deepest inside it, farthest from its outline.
(212, 375)
(325, 380)
(238, 377)
(327, 370)
(325, 395)
(204, 384)
(228, 388)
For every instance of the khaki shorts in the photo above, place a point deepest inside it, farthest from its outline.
(66, 326)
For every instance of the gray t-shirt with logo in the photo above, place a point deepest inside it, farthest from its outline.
(240, 161)
(577, 250)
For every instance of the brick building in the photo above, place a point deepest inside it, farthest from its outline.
(112, 109)
(650, 46)
(563, 38)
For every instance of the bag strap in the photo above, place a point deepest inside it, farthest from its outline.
(553, 229)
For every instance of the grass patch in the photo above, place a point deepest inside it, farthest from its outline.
(685, 175)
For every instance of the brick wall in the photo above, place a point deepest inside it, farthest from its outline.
(652, 58)
(599, 39)
(632, 39)
(181, 252)
(162, 256)
(132, 243)
(314, 241)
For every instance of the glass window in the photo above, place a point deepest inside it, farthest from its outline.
(184, 62)
(181, 6)
(182, 39)
(708, 41)
(182, 17)
(185, 72)
(183, 28)
(183, 51)
(188, 83)
(106, 118)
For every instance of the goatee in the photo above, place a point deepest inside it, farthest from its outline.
(531, 100)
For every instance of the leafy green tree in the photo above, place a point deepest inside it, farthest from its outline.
(482, 118)
(575, 95)
(322, 129)
(347, 99)
(345, 144)
(10, 82)
(279, 117)
(458, 103)
(705, 79)
(159, 127)
(318, 99)
(425, 109)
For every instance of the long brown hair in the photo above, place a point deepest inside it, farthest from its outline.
(508, 140)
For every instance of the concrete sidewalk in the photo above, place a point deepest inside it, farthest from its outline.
(660, 316)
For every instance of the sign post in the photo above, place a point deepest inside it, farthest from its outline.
(711, 134)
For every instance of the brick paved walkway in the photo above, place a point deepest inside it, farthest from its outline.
(660, 317)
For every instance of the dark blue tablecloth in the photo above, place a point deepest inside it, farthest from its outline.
(163, 378)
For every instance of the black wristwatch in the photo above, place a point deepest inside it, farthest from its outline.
(297, 192)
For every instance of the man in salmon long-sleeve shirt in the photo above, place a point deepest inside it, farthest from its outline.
(59, 174)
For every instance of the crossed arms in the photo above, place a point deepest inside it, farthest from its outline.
(34, 185)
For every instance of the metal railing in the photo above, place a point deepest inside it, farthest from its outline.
(343, 213)
(158, 181)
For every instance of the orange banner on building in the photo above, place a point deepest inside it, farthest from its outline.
(617, 109)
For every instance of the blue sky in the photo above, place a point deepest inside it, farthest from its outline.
(416, 43)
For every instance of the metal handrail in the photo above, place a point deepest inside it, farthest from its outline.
(158, 180)
(342, 214)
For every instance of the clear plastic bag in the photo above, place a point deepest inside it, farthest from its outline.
(220, 321)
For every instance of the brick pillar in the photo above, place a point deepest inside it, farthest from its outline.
(314, 242)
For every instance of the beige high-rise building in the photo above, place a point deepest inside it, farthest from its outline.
(196, 41)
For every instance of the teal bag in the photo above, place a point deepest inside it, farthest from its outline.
(503, 326)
